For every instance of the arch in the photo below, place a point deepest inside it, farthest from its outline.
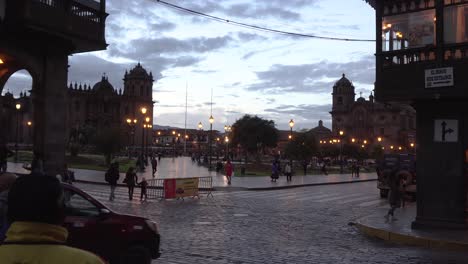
(18, 82)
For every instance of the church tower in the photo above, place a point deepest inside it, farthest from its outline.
(343, 98)
(138, 102)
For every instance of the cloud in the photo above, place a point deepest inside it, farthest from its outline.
(314, 77)
(305, 115)
(261, 11)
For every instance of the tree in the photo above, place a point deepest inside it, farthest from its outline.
(253, 134)
(302, 146)
(107, 142)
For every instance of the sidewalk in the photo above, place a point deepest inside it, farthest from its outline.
(400, 231)
(183, 167)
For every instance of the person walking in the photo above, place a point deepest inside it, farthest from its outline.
(36, 235)
(324, 168)
(395, 194)
(357, 168)
(112, 176)
(5, 153)
(288, 171)
(274, 171)
(144, 185)
(353, 169)
(228, 170)
(130, 179)
(154, 164)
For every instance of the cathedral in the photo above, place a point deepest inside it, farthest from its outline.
(390, 125)
(92, 109)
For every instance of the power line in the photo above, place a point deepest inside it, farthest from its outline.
(254, 27)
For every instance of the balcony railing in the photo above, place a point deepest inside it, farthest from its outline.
(425, 54)
(73, 19)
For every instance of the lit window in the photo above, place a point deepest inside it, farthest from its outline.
(455, 24)
(410, 30)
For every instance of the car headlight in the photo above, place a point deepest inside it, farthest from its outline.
(152, 225)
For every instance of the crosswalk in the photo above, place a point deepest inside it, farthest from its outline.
(358, 199)
(354, 199)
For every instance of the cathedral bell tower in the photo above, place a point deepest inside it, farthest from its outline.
(343, 98)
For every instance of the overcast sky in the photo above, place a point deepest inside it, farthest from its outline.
(274, 76)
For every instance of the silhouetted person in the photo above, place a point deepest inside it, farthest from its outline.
(36, 213)
(131, 180)
(5, 153)
(111, 177)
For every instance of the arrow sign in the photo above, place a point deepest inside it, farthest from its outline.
(445, 130)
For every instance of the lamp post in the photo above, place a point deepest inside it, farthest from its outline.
(227, 131)
(291, 125)
(200, 128)
(29, 124)
(148, 126)
(211, 120)
(18, 108)
(143, 112)
(341, 133)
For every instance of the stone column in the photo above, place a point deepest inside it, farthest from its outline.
(49, 98)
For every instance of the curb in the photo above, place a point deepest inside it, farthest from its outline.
(307, 184)
(405, 239)
(229, 188)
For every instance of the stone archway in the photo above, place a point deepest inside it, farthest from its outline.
(48, 69)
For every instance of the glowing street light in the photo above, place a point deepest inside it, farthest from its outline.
(211, 120)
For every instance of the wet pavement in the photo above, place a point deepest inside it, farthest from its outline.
(183, 167)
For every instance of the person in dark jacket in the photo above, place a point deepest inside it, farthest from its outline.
(144, 185)
(395, 193)
(131, 180)
(112, 176)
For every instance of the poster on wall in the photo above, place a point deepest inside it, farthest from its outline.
(178, 188)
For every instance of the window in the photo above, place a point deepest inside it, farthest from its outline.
(382, 118)
(456, 24)
(410, 30)
(141, 91)
(77, 205)
(382, 131)
(339, 100)
(77, 106)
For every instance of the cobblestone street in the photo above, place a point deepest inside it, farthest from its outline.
(301, 225)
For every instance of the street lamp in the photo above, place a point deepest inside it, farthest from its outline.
(341, 133)
(211, 120)
(143, 112)
(148, 126)
(227, 130)
(200, 128)
(291, 124)
(18, 108)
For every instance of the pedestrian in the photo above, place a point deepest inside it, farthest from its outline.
(67, 175)
(36, 235)
(140, 164)
(154, 164)
(288, 171)
(111, 177)
(353, 169)
(274, 171)
(130, 179)
(37, 164)
(6, 181)
(228, 168)
(159, 156)
(5, 153)
(144, 185)
(357, 168)
(324, 168)
(395, 193)
(305, 163)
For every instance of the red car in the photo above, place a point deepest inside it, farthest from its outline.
(115, 237)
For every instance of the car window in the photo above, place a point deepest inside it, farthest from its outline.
(78, 205)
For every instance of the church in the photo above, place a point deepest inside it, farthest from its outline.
(93, 108)
(390, 125)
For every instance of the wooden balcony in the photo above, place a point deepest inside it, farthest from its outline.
(81, 22)
(401, 73)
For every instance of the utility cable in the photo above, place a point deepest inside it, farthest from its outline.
(259, 28)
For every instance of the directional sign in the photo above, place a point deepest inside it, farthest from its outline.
(441, 77)
(445, 130)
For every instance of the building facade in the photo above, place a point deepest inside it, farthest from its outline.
(91, 109)
(390, 125)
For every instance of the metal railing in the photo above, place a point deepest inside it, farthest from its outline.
(157, 191)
